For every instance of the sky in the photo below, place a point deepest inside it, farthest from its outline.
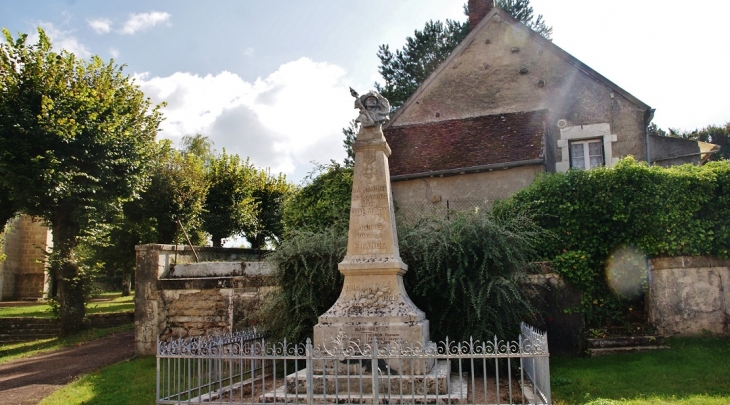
(269, 79)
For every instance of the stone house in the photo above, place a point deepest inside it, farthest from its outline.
(508, 104)
(22, 273)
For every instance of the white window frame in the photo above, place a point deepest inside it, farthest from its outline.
(583, 133)
(584, 143)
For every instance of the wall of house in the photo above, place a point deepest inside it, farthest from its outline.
(503, 69)
(172, 306)
(22, 274)
(689, 295)
(476, 188)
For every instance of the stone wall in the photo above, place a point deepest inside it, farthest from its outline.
(689, 295)
(22, 274)
(171, 306)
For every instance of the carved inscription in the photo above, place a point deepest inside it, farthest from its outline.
(370, 332)
(369, 298)
(358, 212)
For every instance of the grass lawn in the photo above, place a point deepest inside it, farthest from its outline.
(115, 304)
(26, 349)
(130, 382)
(694, 371)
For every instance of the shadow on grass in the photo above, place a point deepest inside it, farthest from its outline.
(693, 371)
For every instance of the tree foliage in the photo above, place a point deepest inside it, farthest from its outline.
(523, 12)
(74, 140)
(268, 193)
(176, 192)
(230, 208)
(323, 203)
(405, 69)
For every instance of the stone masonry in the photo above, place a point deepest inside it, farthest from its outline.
(22, 274)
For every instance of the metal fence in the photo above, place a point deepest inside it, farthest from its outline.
(244, 368)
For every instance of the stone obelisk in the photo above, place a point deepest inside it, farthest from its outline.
(373, 302)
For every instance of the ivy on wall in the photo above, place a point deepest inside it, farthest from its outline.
(682, 210)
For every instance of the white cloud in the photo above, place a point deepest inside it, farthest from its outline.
(114, 52)
(143, 21)
(248, 51)
(283, 121)
(61, 40)
(100, 25)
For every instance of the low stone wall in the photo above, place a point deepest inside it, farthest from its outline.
(192, 300)
(689, 295)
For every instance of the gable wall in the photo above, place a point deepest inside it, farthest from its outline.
(484, 78)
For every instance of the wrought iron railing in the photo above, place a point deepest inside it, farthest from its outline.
(244, 368)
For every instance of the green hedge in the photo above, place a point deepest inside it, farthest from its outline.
(683, 210)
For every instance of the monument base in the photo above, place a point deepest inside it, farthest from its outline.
(437, 386)
(374, 306)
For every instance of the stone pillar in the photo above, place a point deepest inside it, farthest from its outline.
(373, 303)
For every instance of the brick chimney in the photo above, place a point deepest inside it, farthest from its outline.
(477, 10)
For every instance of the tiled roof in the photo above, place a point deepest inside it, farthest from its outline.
(465, 143)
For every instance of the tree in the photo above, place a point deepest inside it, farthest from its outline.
(229, 207)
(350, 134)
(74, 137)
(200, 146)
(405, 70)
(522, 11)
(324, 202)
(268, 193)
(176, 192)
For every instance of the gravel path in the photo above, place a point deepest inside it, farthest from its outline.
(27, 381)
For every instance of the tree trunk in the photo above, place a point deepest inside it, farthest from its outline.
(70, 284)
(71, 298)
(126, 281)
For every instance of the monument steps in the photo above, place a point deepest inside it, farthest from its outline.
(436, 387)
(624, 344)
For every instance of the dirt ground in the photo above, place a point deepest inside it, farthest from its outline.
(27, 381)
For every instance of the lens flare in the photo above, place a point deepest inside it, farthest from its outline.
(627, 272)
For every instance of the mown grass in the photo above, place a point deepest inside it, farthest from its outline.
(26, 349)
(130, 382)
(116, 304)
(694, 371)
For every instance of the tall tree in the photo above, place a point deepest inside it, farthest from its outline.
(350, 134)
(324, 202)
(200, 146)
(229, 207)
(74, 137)
(176, 193)
(268, 193)
(405, 70)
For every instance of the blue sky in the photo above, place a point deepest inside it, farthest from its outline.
(268, 79)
